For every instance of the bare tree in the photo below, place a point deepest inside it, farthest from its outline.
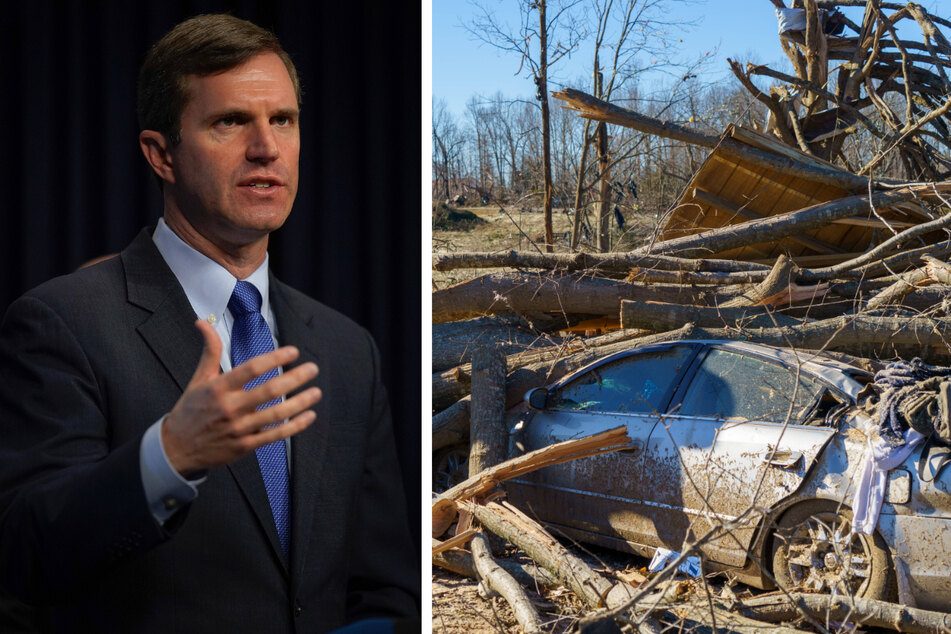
(554, 20)
(447, 144)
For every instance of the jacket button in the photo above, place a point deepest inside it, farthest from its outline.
(297, 610)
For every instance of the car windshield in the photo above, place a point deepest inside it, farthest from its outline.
(731, 385)
(638, 383)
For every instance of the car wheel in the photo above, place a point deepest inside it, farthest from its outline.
(814, 550)
(450, 467)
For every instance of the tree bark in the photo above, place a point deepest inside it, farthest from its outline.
(659, 317)
(546, 120)
(897, 291)
(487, 434)
(451, 426)
(460, 562)
(588, 585)
(559, 294)
(593, 262)
(863, 612)
(579, 189)
(781, 277)
(493, 576)
(854, 334)
(454, 343)
(775, 227)
(604, 206)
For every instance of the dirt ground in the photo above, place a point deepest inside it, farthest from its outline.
(458, 608)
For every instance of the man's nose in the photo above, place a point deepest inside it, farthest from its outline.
(262, 146)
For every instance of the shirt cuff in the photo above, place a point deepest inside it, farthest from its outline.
(165, 489)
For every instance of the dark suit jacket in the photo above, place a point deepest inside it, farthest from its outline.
(88, 362)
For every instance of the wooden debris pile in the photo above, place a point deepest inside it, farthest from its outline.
(464, 517)
(786, 235)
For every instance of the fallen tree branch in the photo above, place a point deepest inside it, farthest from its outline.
(661, 316)
(848, 333)
(899, 290)
(460, 562)
(451, 426)
(444, 507)
(782, 275)
(863, 612)
(493, 576)
(574, 293)
(775, 227)
(617, 262)
(588, 585)
(592, 108)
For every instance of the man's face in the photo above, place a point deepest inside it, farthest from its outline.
(235, 170)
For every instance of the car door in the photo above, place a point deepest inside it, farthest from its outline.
(602, 494)
(734, 446)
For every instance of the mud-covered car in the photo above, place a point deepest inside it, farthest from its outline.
(765, 443)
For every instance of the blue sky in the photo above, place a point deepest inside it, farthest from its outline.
(744, 30)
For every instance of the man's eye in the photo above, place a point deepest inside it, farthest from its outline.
(282, 121)
(227, 122)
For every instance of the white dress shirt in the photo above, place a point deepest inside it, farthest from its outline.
(208, 287)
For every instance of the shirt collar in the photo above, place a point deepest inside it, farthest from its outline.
(207, 284)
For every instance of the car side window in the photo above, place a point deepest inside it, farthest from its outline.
(731, 385)
(638, 383)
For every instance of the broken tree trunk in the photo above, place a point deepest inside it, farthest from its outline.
(459, 561)
(493, 576)
(455, 342)
(699, 614)
(862, 267)
(864, 612)
(595, 109)
(782, 275)
(588, 585)
(853, 334)
(660, 316)
(487, 434)
(575, 293)
(616, 262)
(444, 507)
(899, 290)
(451, 426)
(773, 228)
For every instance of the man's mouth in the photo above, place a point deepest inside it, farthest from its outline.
(261, 183)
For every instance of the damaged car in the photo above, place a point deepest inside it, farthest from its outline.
(760, 455)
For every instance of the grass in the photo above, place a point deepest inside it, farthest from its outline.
(494, 229)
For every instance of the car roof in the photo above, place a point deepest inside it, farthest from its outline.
(832, 371)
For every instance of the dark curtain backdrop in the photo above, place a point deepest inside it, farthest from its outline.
(76, 185)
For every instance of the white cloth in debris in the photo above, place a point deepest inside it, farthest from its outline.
(880, 458)
(791, 20)
(662, 557)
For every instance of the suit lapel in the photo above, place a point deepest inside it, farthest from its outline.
(308, 448)
(171, 334)
(170, 330)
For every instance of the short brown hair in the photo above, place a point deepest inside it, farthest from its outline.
(202, 45)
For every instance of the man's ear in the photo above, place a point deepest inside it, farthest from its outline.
(155, 147)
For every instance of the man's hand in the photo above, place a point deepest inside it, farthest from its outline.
(215, 421)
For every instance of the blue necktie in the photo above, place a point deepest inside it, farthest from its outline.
(250, 337)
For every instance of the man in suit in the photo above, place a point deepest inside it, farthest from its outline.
(165, 465)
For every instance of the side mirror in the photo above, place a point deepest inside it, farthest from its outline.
(537, 398)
